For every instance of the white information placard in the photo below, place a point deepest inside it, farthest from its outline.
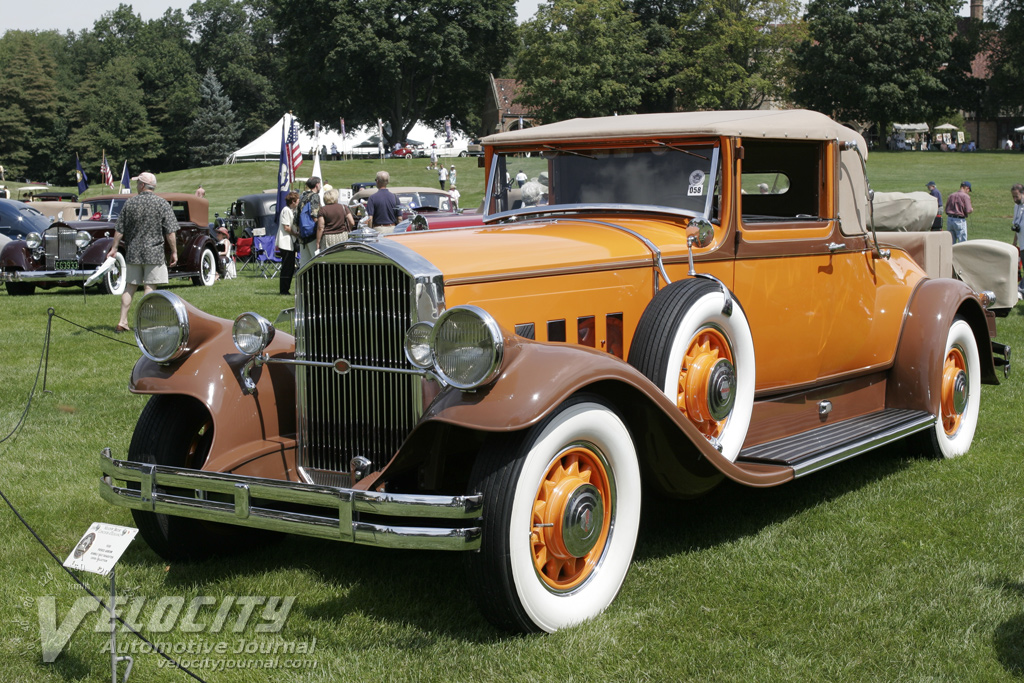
(100, 548)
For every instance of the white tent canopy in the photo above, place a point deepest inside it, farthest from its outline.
(946, 126)
(910, 128)
(267, 147)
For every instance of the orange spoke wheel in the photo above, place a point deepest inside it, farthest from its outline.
(707, 381)
(954, 390)
(572, 515)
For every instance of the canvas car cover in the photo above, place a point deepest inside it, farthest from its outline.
(904, 211)
(988, 265)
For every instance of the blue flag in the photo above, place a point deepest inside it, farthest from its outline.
(284, 171)
(126, 178)
(83, 180)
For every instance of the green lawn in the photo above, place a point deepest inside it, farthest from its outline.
(887, 567)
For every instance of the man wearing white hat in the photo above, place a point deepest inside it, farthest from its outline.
(146, 224)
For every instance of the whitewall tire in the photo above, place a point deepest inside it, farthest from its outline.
(959, 394)
(561, 516)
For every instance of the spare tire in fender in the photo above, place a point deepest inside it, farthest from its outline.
(694, 342)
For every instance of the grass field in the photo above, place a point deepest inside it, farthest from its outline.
(887, 567)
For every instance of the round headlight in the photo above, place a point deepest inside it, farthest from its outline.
(417, 345)
(467, 345)
(161, 326)
(33, 240)
(82, 239)
(252, 333)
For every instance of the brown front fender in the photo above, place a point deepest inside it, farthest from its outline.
(542, 375)
(252, 434)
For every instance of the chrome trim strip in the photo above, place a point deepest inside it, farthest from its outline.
(337, 506)
(874, 441)
(547, 272)
(651, 246)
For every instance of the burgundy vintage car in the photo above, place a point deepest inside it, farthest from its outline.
(68, 252)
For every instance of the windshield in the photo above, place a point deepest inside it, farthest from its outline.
(101, 209)
(679, 178)
(425, 201)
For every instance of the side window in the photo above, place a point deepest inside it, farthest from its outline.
(180, 211)
(782, 181)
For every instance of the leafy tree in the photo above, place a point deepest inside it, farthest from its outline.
(397, 60)
(109, 114)
(238, 41)
(582, 58)
(735, 54)
(214, 131)
(29, 91)
(876, 60)
(1007, 60)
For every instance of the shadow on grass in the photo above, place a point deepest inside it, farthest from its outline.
(1008, 638)
(733, 511)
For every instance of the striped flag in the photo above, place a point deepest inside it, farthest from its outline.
(108, 177)
(294, 152)
(342, 129)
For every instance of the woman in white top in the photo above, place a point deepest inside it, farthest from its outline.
(286, 241)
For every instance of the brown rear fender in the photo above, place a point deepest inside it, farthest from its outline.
(253, 434)
(541, 376)
(917, 372)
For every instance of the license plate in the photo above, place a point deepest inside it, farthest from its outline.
(66, 265)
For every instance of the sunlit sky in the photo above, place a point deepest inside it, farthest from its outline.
(76, 15)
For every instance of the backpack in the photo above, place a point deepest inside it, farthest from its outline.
(307, 224)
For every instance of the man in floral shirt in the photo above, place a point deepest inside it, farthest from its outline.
(146, 224)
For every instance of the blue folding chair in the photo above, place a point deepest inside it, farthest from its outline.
(267, 260)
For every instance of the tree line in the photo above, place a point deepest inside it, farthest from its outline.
(185, 89)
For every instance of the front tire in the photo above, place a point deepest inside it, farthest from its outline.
(116, 279)
(560, 520)
(959, 395)
(177, 431)
(207, 269)
(701, 353)
(20, 288)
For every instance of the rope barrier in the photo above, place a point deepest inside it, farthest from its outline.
(44, 360)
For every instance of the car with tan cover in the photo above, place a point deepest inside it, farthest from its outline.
(679, 299)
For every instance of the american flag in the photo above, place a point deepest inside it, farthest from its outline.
(108, 178)
(294, 153)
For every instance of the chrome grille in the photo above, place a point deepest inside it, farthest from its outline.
(358, 311)
(59, 243)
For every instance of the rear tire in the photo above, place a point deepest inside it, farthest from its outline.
(207, 269)
(560, 519)
(959, 395)
(177, 431)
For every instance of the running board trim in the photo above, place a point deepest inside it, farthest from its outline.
(814, 450)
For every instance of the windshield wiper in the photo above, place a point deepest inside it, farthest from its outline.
(681, 149)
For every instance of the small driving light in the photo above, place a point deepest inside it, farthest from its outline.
(82, 239)
(33, 240)
(161, 326)
(252, 333)
(417, 345)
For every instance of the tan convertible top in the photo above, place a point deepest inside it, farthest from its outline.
(791, 124)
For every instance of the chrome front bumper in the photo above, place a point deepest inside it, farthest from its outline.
(337, 509)
(45, 275)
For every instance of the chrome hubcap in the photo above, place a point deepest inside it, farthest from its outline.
(721, 389)
(960, 392)
(581, 521)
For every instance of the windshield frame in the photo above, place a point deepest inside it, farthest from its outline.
(495, 187)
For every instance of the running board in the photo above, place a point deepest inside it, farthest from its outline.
(819, 448)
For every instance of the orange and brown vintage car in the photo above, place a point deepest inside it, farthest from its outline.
(69, 251)
(679, 299)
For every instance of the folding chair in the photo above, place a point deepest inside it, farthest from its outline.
(267, 261)
(244, 252)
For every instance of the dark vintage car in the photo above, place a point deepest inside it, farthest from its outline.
(516, 390)
(252, 215)
(66, 253)
(18, 219)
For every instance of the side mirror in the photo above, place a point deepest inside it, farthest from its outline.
(700, 233)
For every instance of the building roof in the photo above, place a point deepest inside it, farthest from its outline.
(506, 90)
